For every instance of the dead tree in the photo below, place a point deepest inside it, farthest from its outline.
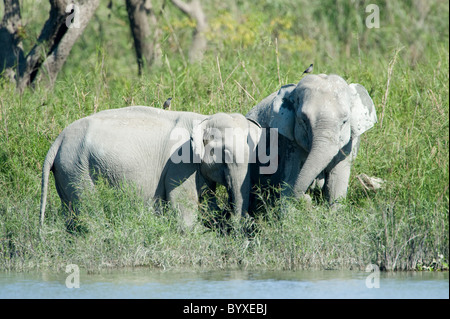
(145, 31)
(194, 11)
(67, 21)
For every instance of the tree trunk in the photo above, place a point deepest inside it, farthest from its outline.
(141, 16)
(11, 50)
(65, 24)
(195, 11)
(63, 45)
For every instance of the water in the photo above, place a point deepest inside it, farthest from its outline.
(152, 284)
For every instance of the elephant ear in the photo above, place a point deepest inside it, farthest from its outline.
(254, 134)
(255, 130)
(282, 113)
(198, 146)
(363, 114)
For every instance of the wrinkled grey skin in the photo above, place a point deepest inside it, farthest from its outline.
(134, 145)
(319, 122)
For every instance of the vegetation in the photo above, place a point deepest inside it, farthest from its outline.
(252, 50)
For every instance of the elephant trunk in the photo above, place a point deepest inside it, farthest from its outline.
(322, 153)
(238, 193)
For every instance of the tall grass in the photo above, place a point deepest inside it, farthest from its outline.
(402, 226)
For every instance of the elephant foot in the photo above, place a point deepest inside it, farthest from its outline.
(187, 221)
(336, 205)
(306, 199)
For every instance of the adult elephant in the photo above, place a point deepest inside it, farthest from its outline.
(169, 156)
(319, 122)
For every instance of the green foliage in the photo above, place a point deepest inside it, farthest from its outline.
(252, 51)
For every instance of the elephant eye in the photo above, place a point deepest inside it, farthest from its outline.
(345, 121)
(301, 119)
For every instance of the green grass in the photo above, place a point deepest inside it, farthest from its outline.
(402, 226)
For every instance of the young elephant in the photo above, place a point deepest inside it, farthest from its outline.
(168, 155)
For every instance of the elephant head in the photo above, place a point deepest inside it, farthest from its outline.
(324, 116)
(224, 145)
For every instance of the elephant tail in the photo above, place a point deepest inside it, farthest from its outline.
(46, 168)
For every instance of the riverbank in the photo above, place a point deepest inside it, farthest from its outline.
(119, 230)
(403, 64)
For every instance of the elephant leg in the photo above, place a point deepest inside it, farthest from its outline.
(336, 181)
(184, 199)
(319, 182)
(70, 197)
(290, 164)
(337, 178)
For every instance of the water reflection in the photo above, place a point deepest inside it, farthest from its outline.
(145, 283)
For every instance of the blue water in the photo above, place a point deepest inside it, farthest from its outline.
(153, 284)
